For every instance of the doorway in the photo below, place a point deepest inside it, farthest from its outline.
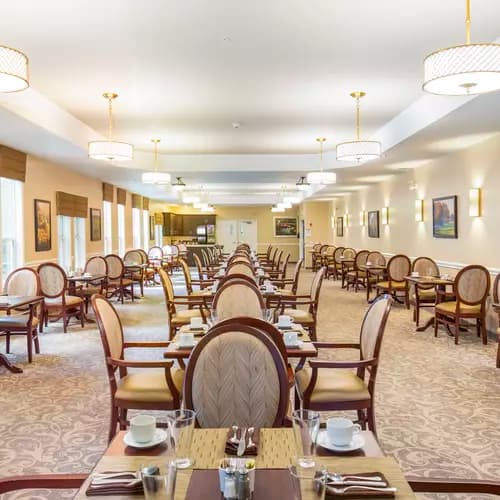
(230, 233)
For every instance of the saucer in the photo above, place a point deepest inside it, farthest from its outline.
(298, 345)
(285, 327)
(159, 436)
(178, 345)
(358, 441)
(201, 328)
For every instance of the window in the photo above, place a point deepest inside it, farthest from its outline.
(159, 235)
(11, 226)
(107, 228)
(121, 230)
(80, 250)
(145, 229)
(64, 241)
(136, 227)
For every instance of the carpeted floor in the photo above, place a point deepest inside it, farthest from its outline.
(438, 405)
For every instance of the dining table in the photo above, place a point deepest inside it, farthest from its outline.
(276, 451)
(9, 303)
(372, 270)
(346, 265)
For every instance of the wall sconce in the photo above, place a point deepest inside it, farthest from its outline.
(362, 218)
(419, 210)
(385, 216)
(346, 220)
(475, 202)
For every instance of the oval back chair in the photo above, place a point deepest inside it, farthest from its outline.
(357, 276)
(238, 298)
(117, 283)
(398, 268)
(423, 295)
(241, 268)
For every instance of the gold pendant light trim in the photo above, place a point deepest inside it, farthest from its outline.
(321, 177)
(156, 177)
(14, 70)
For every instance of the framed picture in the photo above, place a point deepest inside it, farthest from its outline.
(444, 217)
(95, 224)
(43, 229)
(373, 224)
(340, 226)
(285, 226)
(151, 227)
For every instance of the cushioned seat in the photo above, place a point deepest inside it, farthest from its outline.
(450, 307)
(360, 274)
(426, 294)
(124, 282)
(90, 290)
(299, 315)
(394, 284)
(70, 300)
(148, 386)
(332, 385)
(184, 317)
(17, 321)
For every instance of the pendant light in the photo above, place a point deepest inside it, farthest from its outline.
(463, 69)
(277, 209)
(321, 177)
(178, 185)
(156, 177)
(302, 184)
(110, 150)
(358, 150)
(14, 70)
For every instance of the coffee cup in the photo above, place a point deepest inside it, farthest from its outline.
(291, 338)
(341, 431)
(186, 339)
(196, 322)
(284, 320)
(142, 428)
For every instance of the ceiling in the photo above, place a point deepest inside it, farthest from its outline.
(283, 69)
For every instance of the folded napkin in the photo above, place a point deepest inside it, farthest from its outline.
(232, 448)
(352, 491)
(128, 485)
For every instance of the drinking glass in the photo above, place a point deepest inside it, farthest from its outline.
(268, 315)
(305, 431)
(213, 318)
(308, 482)
(160, 486)
(181, 425)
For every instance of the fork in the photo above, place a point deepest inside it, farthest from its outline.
(341, 491)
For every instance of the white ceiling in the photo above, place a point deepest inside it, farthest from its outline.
(186, 70)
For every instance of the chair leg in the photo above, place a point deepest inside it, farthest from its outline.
(457, 328)
(484, 333)
(82, 322)
(7, 342)
(436, 324)
(29, 339)
(371, 419)
(35, 340)
(113, 422)
(123, 419)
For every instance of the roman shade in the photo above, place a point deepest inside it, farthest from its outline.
(145, 203)
(108, 192)
(121, 196)
(12, 164)
(158, 219)
(71, 205)
(136, 201)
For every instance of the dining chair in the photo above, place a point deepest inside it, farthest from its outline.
(25, 282)
(134, 260)
(203, 273)
(236, 375)
(265, 255)
(116, 282)
(293, 281)
(158, 387)
(275, 265)
(238, 298)
(57, 303)
(241, 268)
(178, 318)
(347, 263)
(306, 318)
(95, 266)
(496, 307)
(471, 288)
(189, 281)
(167, 257)
(357, 276)
(149, 268)
(280, 273)
(423, 295)
(315, 256)
(328, 255)
(398, 268)
(333, 385)
(335, 267)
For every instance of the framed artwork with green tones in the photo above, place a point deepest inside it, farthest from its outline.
(444, 217)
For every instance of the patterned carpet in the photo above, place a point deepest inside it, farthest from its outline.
(438, 405)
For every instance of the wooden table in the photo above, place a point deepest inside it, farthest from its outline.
(376, 269)
(8, 303)
(276, 450)
(346, 265)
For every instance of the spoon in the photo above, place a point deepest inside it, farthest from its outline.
(234, 438)
(250, 434)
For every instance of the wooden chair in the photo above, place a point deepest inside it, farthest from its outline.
(237, 376)
(423, 295)
(398, 267)
(203, 273)
(373, 276)
(149, 269)
(241, 268)
(315, 256)
(23, 281)
(293, 281)
(176, 318)
(280, 273)
(116, 282)
(496, 307)
(335, 267)
(471, 287)
(327, 255)
(265, 255)
(349, 254)
(275, 265)
(57, 304)
(95, 266)
(357, 276)
(306, 318)
(157, 388)
(333, 386)
(189, 281)
(135, 271)
(238, 297)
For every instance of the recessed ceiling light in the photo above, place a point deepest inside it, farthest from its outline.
(236, 124)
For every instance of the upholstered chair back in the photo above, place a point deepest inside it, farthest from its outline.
(376, 258)
(472, 284)
(398, 267)
(496, 289)
(198, 265)
(329, 251)
(316, 284)
(236, 376)
(238, 298)
(296, 274)
(349, 253)
(239, 258)
(175, 250)
(133, 257)
(115, 266)
(167, 250)
(144, 255)
(337, 254)
(241, 268)
(155, 253)
(231, 277)
(425, 266)
(361, 258)
(23, 281)
(96, 265)
(206, 257)
(168, 288)
(316, 247)
(373, 327)
(52, 279)
(187, 276)
(284, 264)
(182, 248)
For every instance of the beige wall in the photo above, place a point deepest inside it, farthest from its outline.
(318, 229)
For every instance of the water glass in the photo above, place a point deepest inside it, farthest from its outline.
(160, 486)
(305, 431)
(212, 321)
(308, 482)
(181, 425)
(268, 315)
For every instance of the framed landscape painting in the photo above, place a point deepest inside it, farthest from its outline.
(43, 230)
(373, 224)
(95, 224)
(444, 217)
(340, 226)
(285, 226)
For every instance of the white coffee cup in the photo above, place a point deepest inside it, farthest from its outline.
(196, 322)
(142, 428)
(341, 431)
(284, 320)
(186, 339)
(415, 274)
(291, 338)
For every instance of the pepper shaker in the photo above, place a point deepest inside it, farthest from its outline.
(244, 492)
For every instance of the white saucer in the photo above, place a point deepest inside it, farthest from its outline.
(294, 346)
(185, 346)
(159, 436)
(284, 327)
(358, 441)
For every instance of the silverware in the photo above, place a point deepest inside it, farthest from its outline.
(234, 437)
(343, 477)
(340, 491)
(242, 444)
(250, 434)
(350, 482)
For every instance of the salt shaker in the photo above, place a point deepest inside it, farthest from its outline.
(244, 492)
(230, 492)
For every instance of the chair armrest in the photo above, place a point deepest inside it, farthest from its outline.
(335, 345)
(317, 363)
(452, 485)
(146, 344)
(126, 363)
(36, 481)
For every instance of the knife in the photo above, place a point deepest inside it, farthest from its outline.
(242, 444)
